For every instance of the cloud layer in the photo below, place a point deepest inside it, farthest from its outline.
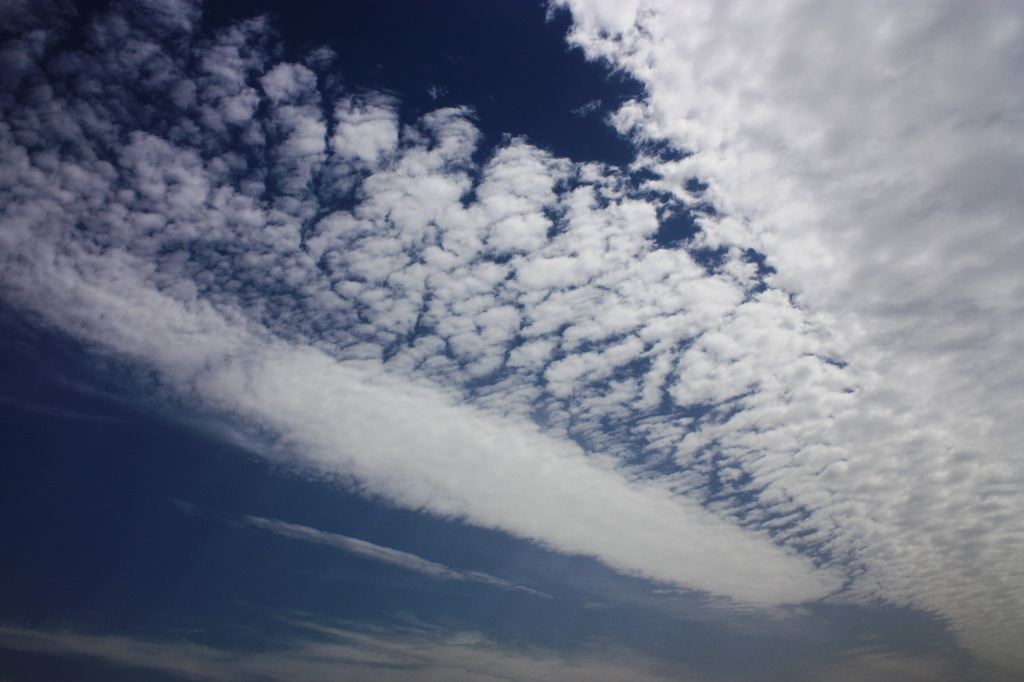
(872, 152)
(819, 388)
(494, 341)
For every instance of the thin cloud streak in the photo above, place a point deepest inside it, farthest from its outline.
(384, 555)
(816, 395)
(369, 653)
(47, 410)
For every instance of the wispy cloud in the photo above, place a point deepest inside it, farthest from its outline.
(384, 555)
(330, 653)
(878, 663)
(50, 411)
(588, 108)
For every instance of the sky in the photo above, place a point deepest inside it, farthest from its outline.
(459, 340)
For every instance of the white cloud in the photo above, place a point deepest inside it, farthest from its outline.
(285, 82)
(872, 151)
(361, 548)
(366, 127)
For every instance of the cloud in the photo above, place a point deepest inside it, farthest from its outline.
(49, 411)
(357, 289)
(319, 652)
(496, 335)
(871, 152)
(380, 554)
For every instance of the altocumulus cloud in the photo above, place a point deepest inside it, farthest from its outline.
(500, 336)
(873, 152)
(291, 257)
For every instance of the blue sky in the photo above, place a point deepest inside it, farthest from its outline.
(474, 341)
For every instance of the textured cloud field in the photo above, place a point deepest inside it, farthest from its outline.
(873, 152)
(816, 395)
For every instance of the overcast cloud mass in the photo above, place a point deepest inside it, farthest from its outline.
(811, 396)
